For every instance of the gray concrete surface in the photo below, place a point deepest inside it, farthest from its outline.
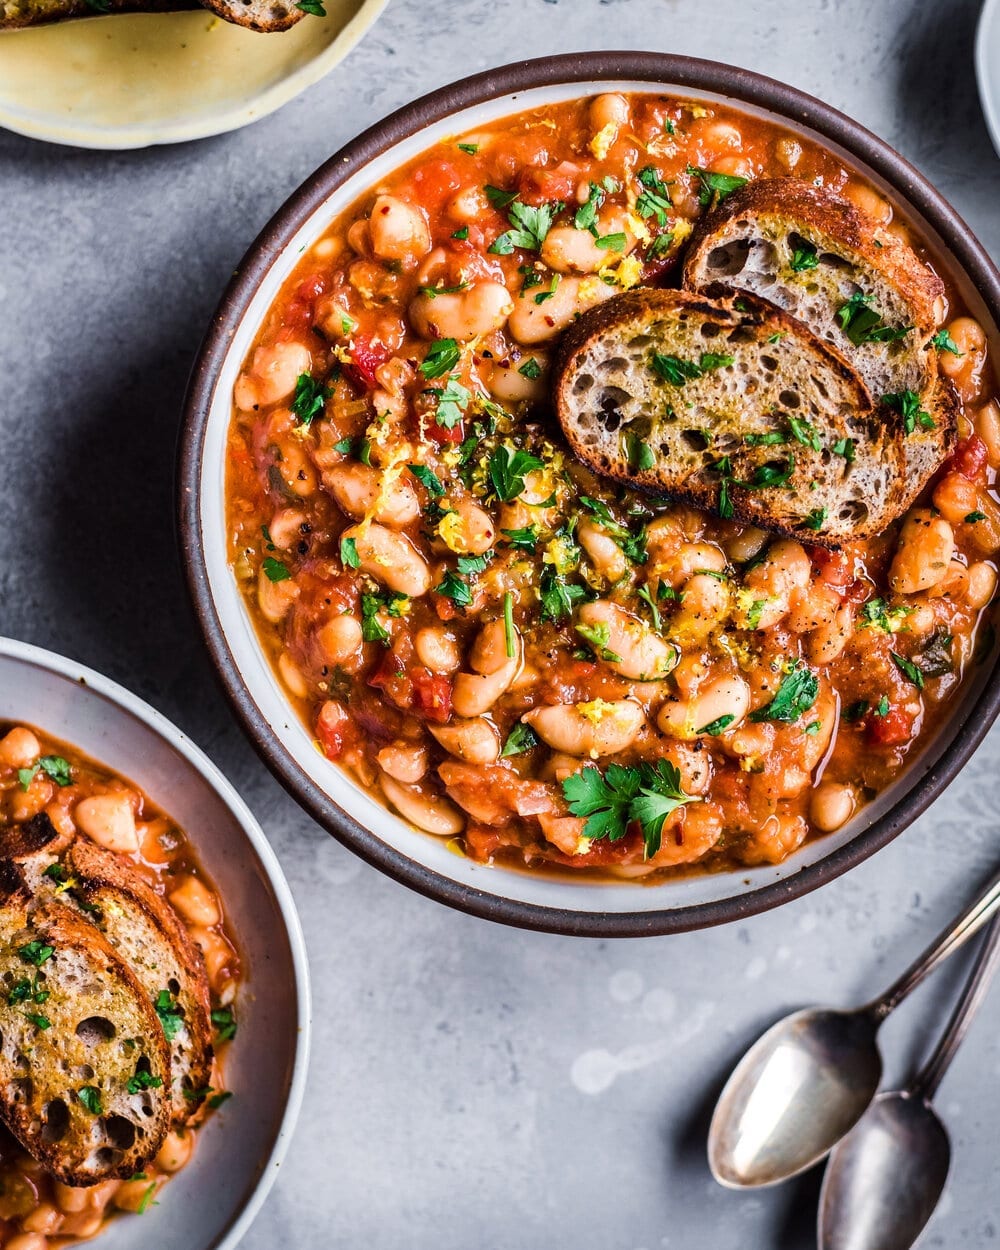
(471, 1087)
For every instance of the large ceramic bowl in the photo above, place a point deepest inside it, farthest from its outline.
(211, 1203)
(346, 810)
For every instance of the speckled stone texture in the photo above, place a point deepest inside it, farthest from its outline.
(471, 1086)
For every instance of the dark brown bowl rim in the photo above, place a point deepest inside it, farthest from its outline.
(743, 87)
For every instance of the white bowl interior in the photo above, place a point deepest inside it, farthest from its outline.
(211, 1202)
(561, 892)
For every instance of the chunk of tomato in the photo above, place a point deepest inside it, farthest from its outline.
(895, 727)
(968, 458)
(367, 355)
(431, 694)
(332, 724)
(393, 680)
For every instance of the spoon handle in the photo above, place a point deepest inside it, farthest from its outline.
(956, 935)
(926, 1081)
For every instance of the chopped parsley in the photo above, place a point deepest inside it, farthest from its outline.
(610, 242)
(274, 570)
(225, 1024)
(558, 597)
(718, 726)
(794, 697)
(529, 226)
(507, 469)
(470, 148)
(638, 453)
(714, 187)
(530, 369)
(599, 636)
(498, 197)
(389, 601)
(520, 739)
(863, 324)
(678, 372)
(876, 614)
(542, 296)
(216, 1100)
(90, 1096)
(855, 711)
(142, 1080)
(645, 794)
(54, 767)
(509, 630)
(442, 356)
(171, 1014)
(37, 953)
(816, 519)
(455, 588)
(804, 257)
(40, 1022)
(945, 343)
(973, 518)
(844, 447)
(451, 403)
(427, 477)
(462, 233)
(654, 198)
(310, 396)
(585, 217)
(908, 669)
(525, 539)
(349, 553)
(907, 404)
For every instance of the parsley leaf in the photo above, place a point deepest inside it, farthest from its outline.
(678, 372)
(654, 198)
(623, 795)
(529, 225)
(863, 324)
(507, 469)
(274, 570)
(142, 1080)
(37, 953)
(714, 187)
(794, 697)
(310, 396)
(908, 669)
(171, 1014)
(718, 726)
(349, 553)
(599, 636)
(451, 403)
(907, 404)
(530, 369)
(945, 343)
(585, 217)
(225, 1023)
(558, 596)
(500, 198)
(525, 539)
(520, 739)
(90, 1096)
(442, 356)
(816, 519)
(804, 257)
(455, 588)
(427, 477)
(638, 454)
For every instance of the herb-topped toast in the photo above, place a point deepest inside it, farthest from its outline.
(84, 1065)
(852, 281)
(146, 933)
(730, 405)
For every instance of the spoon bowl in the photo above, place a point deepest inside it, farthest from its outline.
(885, 1178)
(794, 1094)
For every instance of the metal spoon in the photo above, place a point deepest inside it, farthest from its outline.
(884, 1179)
(808, 1080)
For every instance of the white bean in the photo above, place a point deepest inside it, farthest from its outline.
(476, 741)
(361, 491)
(398, 230)
(403, 761)
(926, 547)
(725, 698)
(831, 805)
(532, 322)
(625, 643)
(390, 558)
(462, 315)
(494, 671)
(274, 371)
(109, 820)
(437, 649)
(428, 810)
(589, 729)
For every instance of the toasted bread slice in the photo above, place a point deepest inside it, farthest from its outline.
(264, 16)
(21, 839)
(147, 934)
(17, 13)
(737, 409)
(809, 251)
(84, 1065)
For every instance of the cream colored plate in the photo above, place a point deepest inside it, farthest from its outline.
(129, 81)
